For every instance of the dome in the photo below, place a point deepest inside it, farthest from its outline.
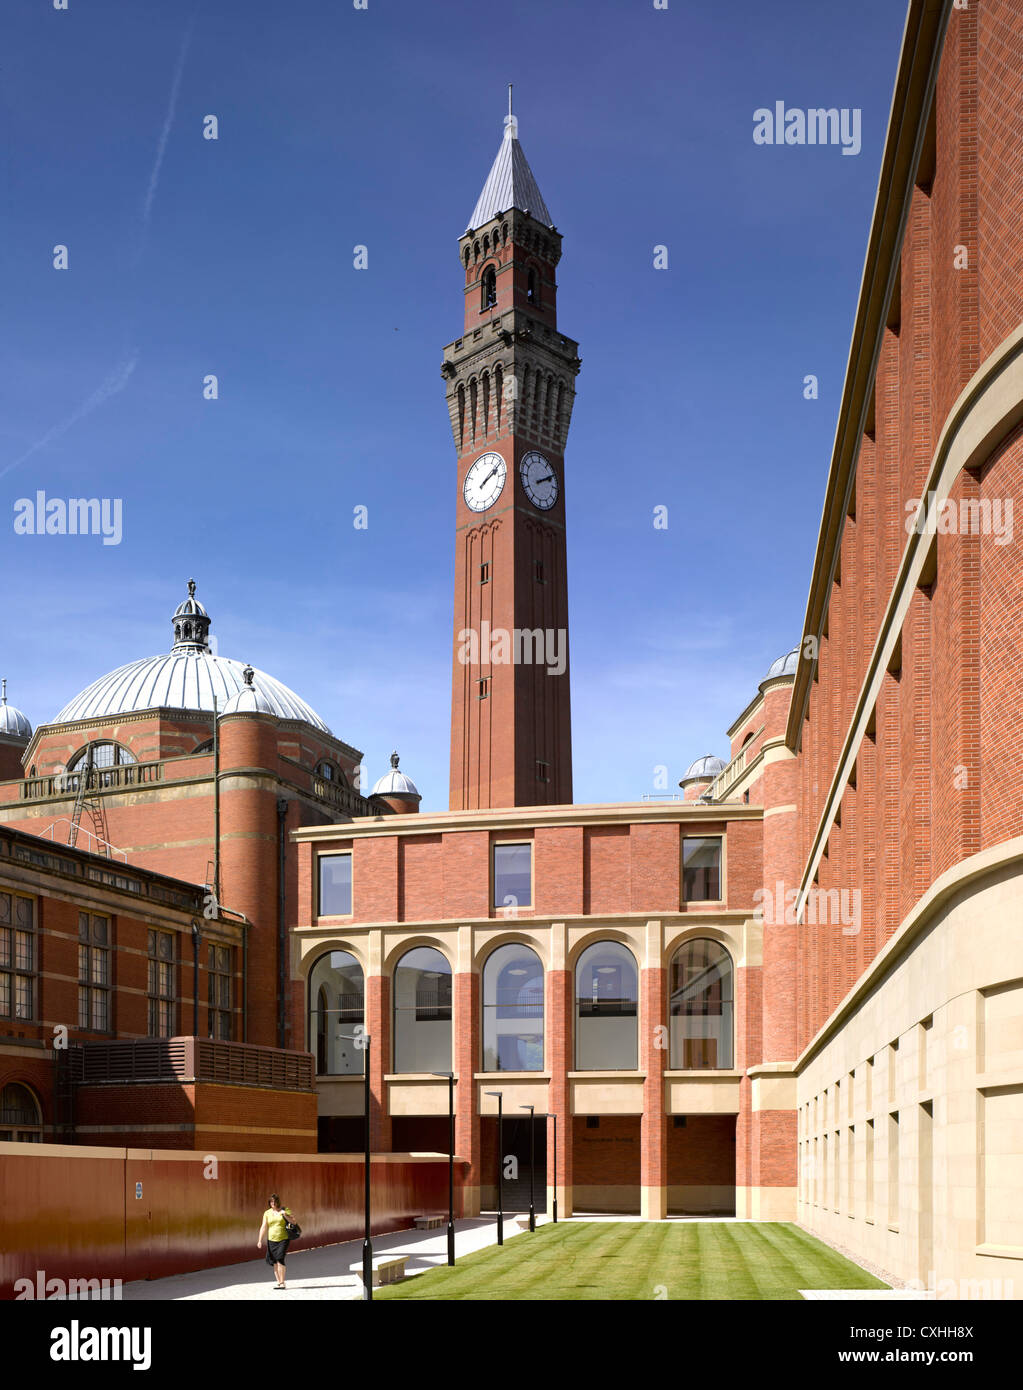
(250, 699)
(395, 783)
(784, 666)
(13, 723)
(189, 676)
(708, 766)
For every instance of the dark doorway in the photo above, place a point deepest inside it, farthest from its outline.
(515, 1146)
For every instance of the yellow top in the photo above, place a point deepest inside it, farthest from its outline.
(275, 1230)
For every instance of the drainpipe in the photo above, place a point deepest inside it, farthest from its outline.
(282, 815)
(216, 805)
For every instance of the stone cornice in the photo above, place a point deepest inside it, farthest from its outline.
(923, 39)
(528, 817)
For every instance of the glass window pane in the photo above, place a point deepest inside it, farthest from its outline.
(700, 1007)
(24, 911)
(83, 926)
(701, 869)
(5, 996)
(6, 940)
(513, 1010)
(83, 1007)
(335, 885)
(607, 996)
(99, 966)
(23, 950)
(513, 879)
(5, 907)
(422, 1012)
(336, 1014)
(23, 996)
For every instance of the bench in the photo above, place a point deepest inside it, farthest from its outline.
(387, 1269)
(430, 1223)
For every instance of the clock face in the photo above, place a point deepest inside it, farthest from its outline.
(539, 480)
(484, 481)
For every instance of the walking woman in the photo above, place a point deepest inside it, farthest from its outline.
(274, 1231)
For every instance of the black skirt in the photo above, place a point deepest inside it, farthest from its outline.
(277, 1252)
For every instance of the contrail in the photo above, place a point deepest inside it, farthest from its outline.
(172, 107)
(114, 383)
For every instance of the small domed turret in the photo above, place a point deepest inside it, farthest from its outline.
(249, 699)
(13, 724)
(399, 791)
(700, 775)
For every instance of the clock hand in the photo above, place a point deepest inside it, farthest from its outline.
(549, 479)
(489, 476)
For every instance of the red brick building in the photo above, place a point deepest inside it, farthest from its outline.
(797, 990)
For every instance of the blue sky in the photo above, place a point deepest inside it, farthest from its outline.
(340, 127)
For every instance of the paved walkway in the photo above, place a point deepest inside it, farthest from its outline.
(324, 1272)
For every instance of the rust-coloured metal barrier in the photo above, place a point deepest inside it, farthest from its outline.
(72, 1212)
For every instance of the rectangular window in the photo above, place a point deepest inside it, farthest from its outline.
(543, 771)
(17, 956)
(513, 875)
(336, 885)
(93, 973)
(483, 687)
(485, 572)
(701, 869)
(539, 573)
(218, 980)
(592, 1121)
(160, 984)
(893, 1171)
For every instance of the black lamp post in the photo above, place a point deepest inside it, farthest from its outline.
(500, 1164)
(362, 1040)
(554, 1199)
(532, 1207)
(451, 1163)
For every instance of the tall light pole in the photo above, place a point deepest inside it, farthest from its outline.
(362, 1041)
(451, 1163)
(532, 1208)
(500, 1164)
(554, 1199)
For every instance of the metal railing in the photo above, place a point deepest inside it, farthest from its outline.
(728, 776)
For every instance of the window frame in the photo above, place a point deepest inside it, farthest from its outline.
(686, 901)
(157, 999)
(541, 1018)
(18, 978)
(576, 1003)
(335, 854)
(216, 972)
(88, 987)
(511, 909)
(677, 1064)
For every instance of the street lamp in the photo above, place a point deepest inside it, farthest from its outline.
(532, 1208)
(451, 1163)
(554, 1199)
(362, 1041)
(500, 1164)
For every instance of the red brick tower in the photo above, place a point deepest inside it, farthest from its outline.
(510, 387)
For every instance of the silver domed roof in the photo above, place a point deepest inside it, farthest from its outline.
(785, 665)
(395, 783)
(707, 766)
(250, 699)
(12, 722)
(187, 677)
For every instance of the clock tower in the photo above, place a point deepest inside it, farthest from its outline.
(510, 387)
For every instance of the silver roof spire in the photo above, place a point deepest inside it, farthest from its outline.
(510, 183)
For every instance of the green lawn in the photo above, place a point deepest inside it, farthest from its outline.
(649, 1260)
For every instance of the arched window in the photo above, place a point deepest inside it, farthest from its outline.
(606, 1019)
(336, 1008)
(103, 755)
(422, 1011)
(532, 288)
(206, 747)
(513, 1010)
(467, 254)
(21, 1120)
(489, 288)
(700, 1007)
